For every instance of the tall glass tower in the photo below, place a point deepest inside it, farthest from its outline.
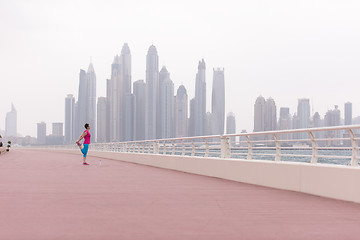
(69, 119)
(152, 92)
(218, 102)
(11, 122)
(200, 100)
(86, 109)
(181, 112)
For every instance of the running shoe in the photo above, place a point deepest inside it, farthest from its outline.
(79, 144)
(85, 163)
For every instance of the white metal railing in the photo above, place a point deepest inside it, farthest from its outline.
(338, 145)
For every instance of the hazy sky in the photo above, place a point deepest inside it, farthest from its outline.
(284, 49)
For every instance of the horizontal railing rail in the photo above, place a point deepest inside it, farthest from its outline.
(334, 145)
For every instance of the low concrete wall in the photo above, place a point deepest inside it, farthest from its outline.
(332, 181)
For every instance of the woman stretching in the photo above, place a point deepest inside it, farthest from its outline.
(86, 136)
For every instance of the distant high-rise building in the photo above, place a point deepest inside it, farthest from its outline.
(191, 122)
(303, 114)
(11, 122)
(101, 119)
(41, 133)
(317, 123)
(270, 115)
(58, 129)
(231, 125)
(129, 117)
(284, 121)
(86, 108)
(126, 68)
(218, 102)
(57, 136)
(259, 114)
(152, 93)
(125, 60)
(140, 104)
(69, 119)
(348, 113)
(81, 105)
(108, 95)
(91, 77)
(317, 120)
(181, 112)
(166, 105)
(200, 100)
(114, 99)
(208, 124)
(332, 118)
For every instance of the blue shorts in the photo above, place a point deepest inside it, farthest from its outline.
(85, 149)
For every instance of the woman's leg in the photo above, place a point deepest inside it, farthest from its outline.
(84, 150)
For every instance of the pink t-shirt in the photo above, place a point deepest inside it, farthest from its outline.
(87, 137)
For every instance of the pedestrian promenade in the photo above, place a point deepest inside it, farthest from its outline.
(46, 195)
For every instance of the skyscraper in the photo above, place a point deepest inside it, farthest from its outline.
(270, 115)
(218, 102)
(81, 114)
(303, 114)
(317, 123)
(125, 90)
(86, 108)
(11, 122)
(41, 133)
(101, 119)
(200, 100)
(125, 58)
(259, 114)
(348, 113)
(284, 122)
(191, 121)
(332, 118)
(115, 100)
(129, 117)
(231, 125)
(140, 104)
(58, 129)
(165, 127)
(69, 119)
(181, 112)
(284, 119)
(91, 77)
(152, 92)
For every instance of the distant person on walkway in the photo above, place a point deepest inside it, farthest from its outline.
(86, 136)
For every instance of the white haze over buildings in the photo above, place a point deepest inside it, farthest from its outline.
(277, 48)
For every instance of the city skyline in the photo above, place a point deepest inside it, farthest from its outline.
(286, 50)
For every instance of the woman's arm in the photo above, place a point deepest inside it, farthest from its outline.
(81, 137)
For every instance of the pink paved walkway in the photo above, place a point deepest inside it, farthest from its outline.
(52, 196)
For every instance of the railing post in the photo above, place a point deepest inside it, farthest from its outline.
(183, 147)
(278, 149)
(355, 149)
(125, 147)
(206, 148)
(164, 153)
(173, 147)
(192, 147)
(314, 158)
(250, 152)
(225, 147)
(156, 147)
